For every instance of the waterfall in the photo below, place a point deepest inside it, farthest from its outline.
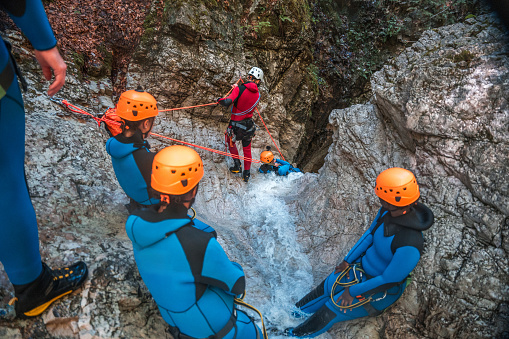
(257, 228)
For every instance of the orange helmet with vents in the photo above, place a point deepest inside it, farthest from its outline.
(176, 170)
(266, 157)
(397, 186)
(136, 105)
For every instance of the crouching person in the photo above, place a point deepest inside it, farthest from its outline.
(377, 269)
(185, 269)
(270, 164)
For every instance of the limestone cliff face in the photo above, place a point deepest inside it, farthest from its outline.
(439, 109)
(200, 50)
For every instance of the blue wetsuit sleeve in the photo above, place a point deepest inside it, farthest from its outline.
(362, 244)
(30, 17)
(403, 262)
(219, 271)
(282, 162)
(283, 170)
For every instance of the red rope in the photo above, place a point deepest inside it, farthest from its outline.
(179, 108)
(104, 119)
(207, 149)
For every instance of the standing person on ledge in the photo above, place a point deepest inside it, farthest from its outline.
(376, 271)
(36, 285)
(245, 99)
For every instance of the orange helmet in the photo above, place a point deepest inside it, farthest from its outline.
(397, 186)
(136, 105)
(176, 170)
(266, 157)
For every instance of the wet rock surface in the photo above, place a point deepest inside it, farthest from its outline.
(436, 109)
(439, 109)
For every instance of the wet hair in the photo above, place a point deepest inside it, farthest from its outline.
(175, 199)
(268, 148)
(134, 125)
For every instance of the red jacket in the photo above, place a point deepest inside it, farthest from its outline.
(246, 103)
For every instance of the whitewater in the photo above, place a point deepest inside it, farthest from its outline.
(256, 226)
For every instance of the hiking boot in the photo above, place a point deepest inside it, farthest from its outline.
(245, 175)
(237, 167)
(34, 298)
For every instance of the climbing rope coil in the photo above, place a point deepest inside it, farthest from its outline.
(105, 118)
(357, 279)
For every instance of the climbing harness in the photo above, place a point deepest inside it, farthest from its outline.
(240, 301)
(363, 301)
(357, 279)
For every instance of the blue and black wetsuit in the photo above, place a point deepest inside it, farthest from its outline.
(19, 239)
(283, 169)
(388, 252)
(189, 275)
(132, 163)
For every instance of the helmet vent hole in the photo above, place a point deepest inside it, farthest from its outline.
(183, 174)
(385, 191)
(196, 169)
(141, 104)
(398, 193)
(390, 190)
(128, 102)
(404, 188)
(173, 171)
(199, 165)
(157, 167)
(190, 169)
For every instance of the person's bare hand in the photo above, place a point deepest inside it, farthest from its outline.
(346, 299)
(341, 267)
(52, 64)
(235, 85)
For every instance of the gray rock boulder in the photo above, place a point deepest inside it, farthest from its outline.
(439, 109)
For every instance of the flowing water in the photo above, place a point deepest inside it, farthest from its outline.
(257, 228)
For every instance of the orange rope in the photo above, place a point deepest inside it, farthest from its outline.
(176, 109)
(207, 149)
(104, 119)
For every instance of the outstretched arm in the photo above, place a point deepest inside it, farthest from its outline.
(30, 17)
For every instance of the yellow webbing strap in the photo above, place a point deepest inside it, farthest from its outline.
(348, 284)
(240, 301)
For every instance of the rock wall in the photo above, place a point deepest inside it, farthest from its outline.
(439, 109)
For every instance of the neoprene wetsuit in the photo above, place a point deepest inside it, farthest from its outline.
(132, 163)
(189, 275)
(388, 252)
(19, 239)
(283, 169)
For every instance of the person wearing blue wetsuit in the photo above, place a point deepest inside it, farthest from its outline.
(185, 269)
(36, 286)
(376, 271)
(130, 152)
(280, 167)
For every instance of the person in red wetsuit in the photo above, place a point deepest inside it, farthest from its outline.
(243, 99)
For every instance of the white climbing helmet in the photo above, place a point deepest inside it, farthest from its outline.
(256, 72)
